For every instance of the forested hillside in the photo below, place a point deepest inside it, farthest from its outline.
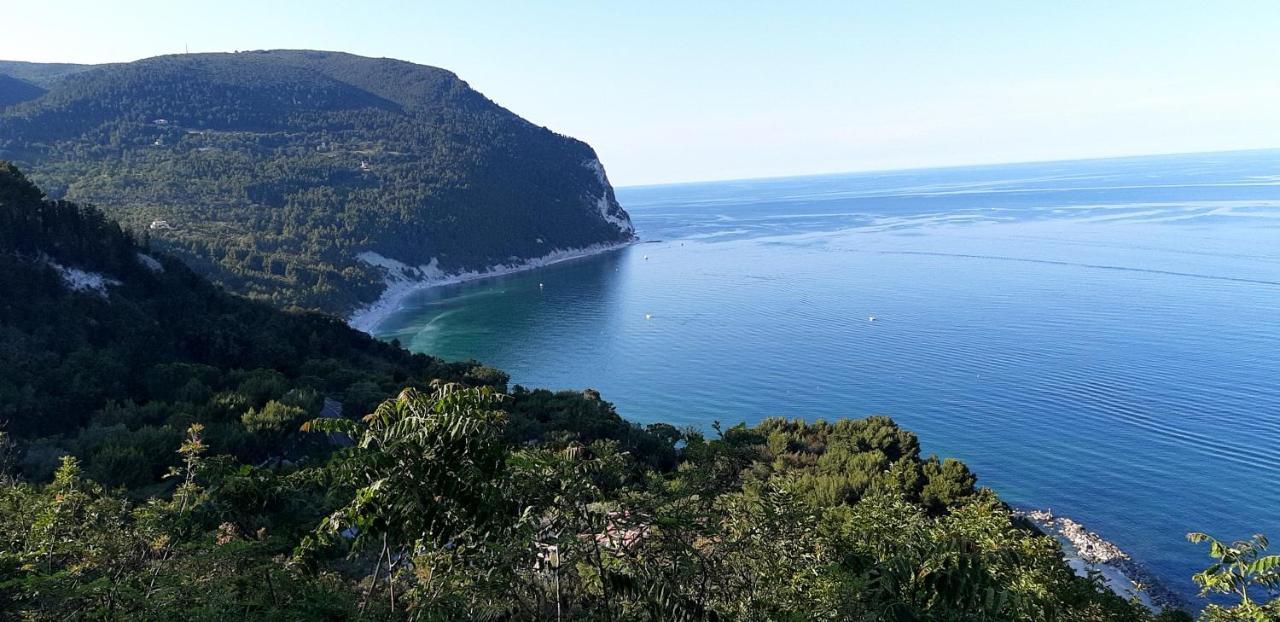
(15, 91)
(43, 75)
(273, 170)
(174, 452)
(108, 350)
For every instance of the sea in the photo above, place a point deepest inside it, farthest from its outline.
(1099, 337)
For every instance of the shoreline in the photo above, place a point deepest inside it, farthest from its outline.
(403, 280)
(1086, 551)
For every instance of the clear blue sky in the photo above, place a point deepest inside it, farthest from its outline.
(678, 91)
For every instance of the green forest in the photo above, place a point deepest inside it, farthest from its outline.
(172, 451)
(272, 171)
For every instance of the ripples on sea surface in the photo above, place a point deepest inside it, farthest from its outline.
(1097, 337)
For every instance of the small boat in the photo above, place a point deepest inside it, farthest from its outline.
(871, 318)
(647, 316)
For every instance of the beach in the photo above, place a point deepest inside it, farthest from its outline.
(404, 280)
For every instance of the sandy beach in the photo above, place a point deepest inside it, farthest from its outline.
(404, 280)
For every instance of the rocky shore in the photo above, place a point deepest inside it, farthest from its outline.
(1091, 547)
(1091, 551)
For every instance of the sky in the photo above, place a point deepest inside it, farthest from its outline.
(685, 91)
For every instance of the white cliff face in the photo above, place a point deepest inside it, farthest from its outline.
(78, 280)
(400, 271)
(610, 211)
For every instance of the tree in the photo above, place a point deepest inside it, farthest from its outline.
(1239, 567)
(274, 417)
(424, 469)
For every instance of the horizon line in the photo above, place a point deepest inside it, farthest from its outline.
(943, 167)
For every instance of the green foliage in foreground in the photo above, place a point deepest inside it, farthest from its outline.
(435, 514)
(1238, 568)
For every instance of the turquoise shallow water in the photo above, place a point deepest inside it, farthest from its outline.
(1097, 337)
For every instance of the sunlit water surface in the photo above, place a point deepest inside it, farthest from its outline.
(1098, 337)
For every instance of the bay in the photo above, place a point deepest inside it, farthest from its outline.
(1099, 337)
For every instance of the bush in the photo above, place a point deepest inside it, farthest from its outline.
(274, 418)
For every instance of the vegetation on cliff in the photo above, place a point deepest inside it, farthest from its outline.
(272, 171)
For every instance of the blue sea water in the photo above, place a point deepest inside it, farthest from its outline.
(1097, 337)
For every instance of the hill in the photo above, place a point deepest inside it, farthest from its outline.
(108, 347)
(274, 172)
(15, 91)
(43, 75)
(98, 333)
(104, 341)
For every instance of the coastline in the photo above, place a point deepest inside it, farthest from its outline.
(403, 280)
(1086, 552)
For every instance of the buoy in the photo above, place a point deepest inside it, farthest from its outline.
(539, 285)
